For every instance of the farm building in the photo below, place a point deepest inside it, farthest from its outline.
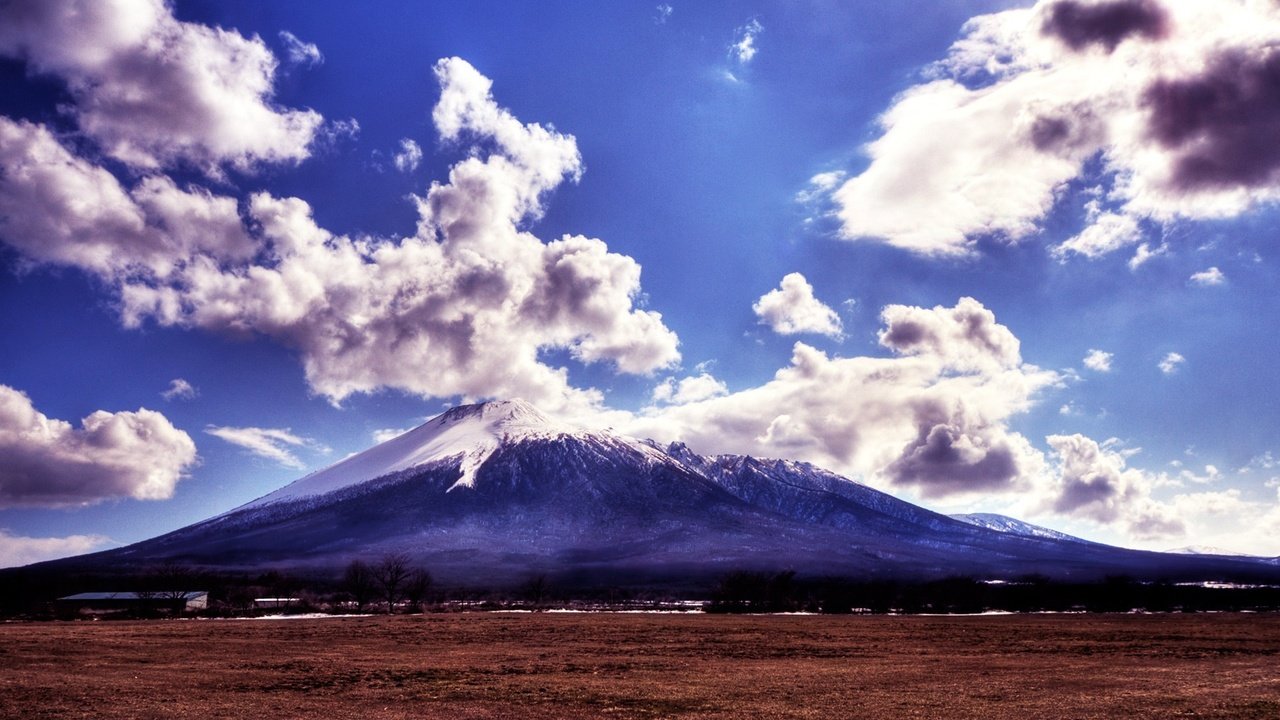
(106, 602)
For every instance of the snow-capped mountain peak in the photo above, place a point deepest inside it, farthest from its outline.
(470, 433)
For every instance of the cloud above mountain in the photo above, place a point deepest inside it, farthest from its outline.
(1167, 107)
(792, 309)
(153, 91)
(934, 419)
(472, 295)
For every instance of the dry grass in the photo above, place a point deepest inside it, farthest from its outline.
(641, 666)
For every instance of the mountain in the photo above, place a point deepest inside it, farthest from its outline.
(497, 492)
(1210, 550)
(1014, 526)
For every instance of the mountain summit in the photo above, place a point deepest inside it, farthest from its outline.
(468, 433)
(494, 492)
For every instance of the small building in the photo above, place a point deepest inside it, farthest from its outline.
(95, 603)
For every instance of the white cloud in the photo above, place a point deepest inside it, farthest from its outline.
(1144, 253)
(180, 389)
(298, 52)
(58, 208)
(408, 157)
(382, 435)
(154, 91)
(792, 309)
(664, 11)
(1031, 99)
(820, 186)
(1093, 482)
(1105, 234)
(472, 296)
(48, 462)
(1208, 278)
(271, 443)
(17, 550)
(934, 419)
(966, 336)
(689, 389)
(744, 48)
(1098, 361)
(1171, 363)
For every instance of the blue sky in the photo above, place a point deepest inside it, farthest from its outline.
(988, 256)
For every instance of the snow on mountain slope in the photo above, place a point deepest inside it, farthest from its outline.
(470, 433)
(1210, 550)
(1014, 526)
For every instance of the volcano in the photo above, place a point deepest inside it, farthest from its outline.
(497, 492)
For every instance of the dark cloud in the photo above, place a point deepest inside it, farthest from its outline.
(944, 460)
(1049, 132)
(903, 336)
(1103, 488)
(1079, 25)
(1071, 130)
(1223, 124)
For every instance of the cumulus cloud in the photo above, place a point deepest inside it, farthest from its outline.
(180, 389)
(271, 443)
(689, 389)
(966, 336)
(17, 550)
(1093, 482)
(1106, 233)
(933, 419)
(408, 157)
(58, 208)
(1098, 361)
(1208, 278)
(153, 91)
(1080, 25)
(1171, 106)
(744, 48)
(466, 307)
(1171, 363)
(298, 52)
(792, 309)
(48, 462)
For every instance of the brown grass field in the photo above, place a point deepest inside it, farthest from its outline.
(550, 665)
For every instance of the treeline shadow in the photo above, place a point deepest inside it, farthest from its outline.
(773, 592)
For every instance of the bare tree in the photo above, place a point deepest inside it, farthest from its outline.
(416, 588)
(174, 581)
(359, 582)
(536, 589)
(391, 574)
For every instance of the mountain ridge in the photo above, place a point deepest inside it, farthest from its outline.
(494, 492)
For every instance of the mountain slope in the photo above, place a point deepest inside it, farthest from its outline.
(492, 493)
(1014, 526)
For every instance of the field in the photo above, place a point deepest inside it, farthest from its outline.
(616, 665)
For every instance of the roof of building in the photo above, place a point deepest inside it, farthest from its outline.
(162, 595)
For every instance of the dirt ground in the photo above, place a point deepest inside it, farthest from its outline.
(551, 665)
